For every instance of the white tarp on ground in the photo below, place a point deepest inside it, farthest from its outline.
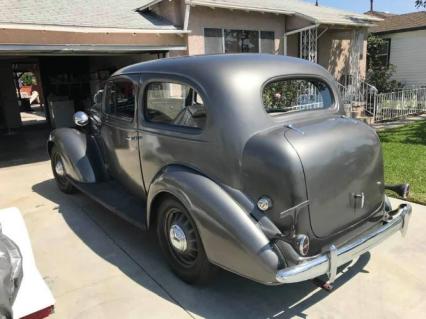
(33, 295)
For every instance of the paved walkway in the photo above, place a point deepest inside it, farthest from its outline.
(399, 123)
(98, 266)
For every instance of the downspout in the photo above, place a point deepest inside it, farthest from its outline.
(186, 23)
(285, 37)
(187, 12)
(285, 44)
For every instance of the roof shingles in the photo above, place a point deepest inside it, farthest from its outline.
(403, 22)
(120, 14)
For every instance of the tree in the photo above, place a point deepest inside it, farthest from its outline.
(379, 72)
(420, 3)
(27, 79)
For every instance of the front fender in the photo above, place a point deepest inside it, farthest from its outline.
(78, 153)
(231, 238)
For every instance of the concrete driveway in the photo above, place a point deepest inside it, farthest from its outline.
(98, 266)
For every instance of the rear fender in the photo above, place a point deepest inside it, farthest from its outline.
(231, 238)
(80, 154)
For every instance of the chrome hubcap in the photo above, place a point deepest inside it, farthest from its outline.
(178, 238)
(59, 168)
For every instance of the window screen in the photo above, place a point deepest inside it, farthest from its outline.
(267, 44)
(120, 99)
(383, 52)
(174, 104)
(237, 41)
(295, 95)
(213, 41)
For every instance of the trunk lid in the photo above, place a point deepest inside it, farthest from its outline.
(343, 167)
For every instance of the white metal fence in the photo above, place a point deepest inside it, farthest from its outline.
(357, 92)
(390, 106)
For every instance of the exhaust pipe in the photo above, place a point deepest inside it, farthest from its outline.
(402, 189)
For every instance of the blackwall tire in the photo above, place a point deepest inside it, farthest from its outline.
(190, 264)
(61, 180)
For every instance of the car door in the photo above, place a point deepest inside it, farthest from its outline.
(119, 133)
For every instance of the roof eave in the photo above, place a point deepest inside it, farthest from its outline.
(84, 49)
(285, 12)
(235, 7)
(350, 24)
(148, 5)
(83, 29)
(399, 30)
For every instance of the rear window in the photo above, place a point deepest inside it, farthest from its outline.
(296, 95)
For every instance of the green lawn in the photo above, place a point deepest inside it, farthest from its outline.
(404, 151)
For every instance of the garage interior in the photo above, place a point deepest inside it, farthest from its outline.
(63, 84)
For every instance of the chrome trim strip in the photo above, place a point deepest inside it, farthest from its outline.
(298, 130)
(328, 263)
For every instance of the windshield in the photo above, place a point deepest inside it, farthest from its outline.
(296, 95)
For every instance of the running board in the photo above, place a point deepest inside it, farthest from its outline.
(116, 199)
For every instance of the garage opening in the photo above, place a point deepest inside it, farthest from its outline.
(29, 93)
(41, 92)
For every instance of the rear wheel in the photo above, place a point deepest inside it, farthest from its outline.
(58, 169)
(181, 244)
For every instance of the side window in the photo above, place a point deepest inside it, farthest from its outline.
(174, 104)
(120, 99)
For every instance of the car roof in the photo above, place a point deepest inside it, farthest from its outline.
(223, 66)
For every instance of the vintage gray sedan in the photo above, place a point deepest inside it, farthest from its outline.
(246, 162)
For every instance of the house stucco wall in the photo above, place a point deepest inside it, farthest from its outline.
(19, 36)
(294, 23)
(293, 45)
(334, 49)
(203, 17)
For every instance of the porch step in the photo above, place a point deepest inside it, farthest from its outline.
(366, 119)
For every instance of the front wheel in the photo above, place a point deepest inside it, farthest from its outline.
(181, 244)
(58, 169)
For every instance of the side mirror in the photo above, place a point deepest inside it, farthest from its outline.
(81, 118)
(97, 98)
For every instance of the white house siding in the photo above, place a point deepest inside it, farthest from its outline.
(408, 54)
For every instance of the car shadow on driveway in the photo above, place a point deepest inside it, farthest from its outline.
(227, 296)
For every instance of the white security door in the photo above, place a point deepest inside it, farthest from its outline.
(309, 45)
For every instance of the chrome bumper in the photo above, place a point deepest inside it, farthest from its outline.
(328, 263)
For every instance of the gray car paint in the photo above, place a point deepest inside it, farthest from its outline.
(338, 169)
(73, 147)
(219, 172)
(121, 146)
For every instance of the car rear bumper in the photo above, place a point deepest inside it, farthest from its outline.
(327, 263)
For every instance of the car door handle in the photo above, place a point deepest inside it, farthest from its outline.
(133, 138)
